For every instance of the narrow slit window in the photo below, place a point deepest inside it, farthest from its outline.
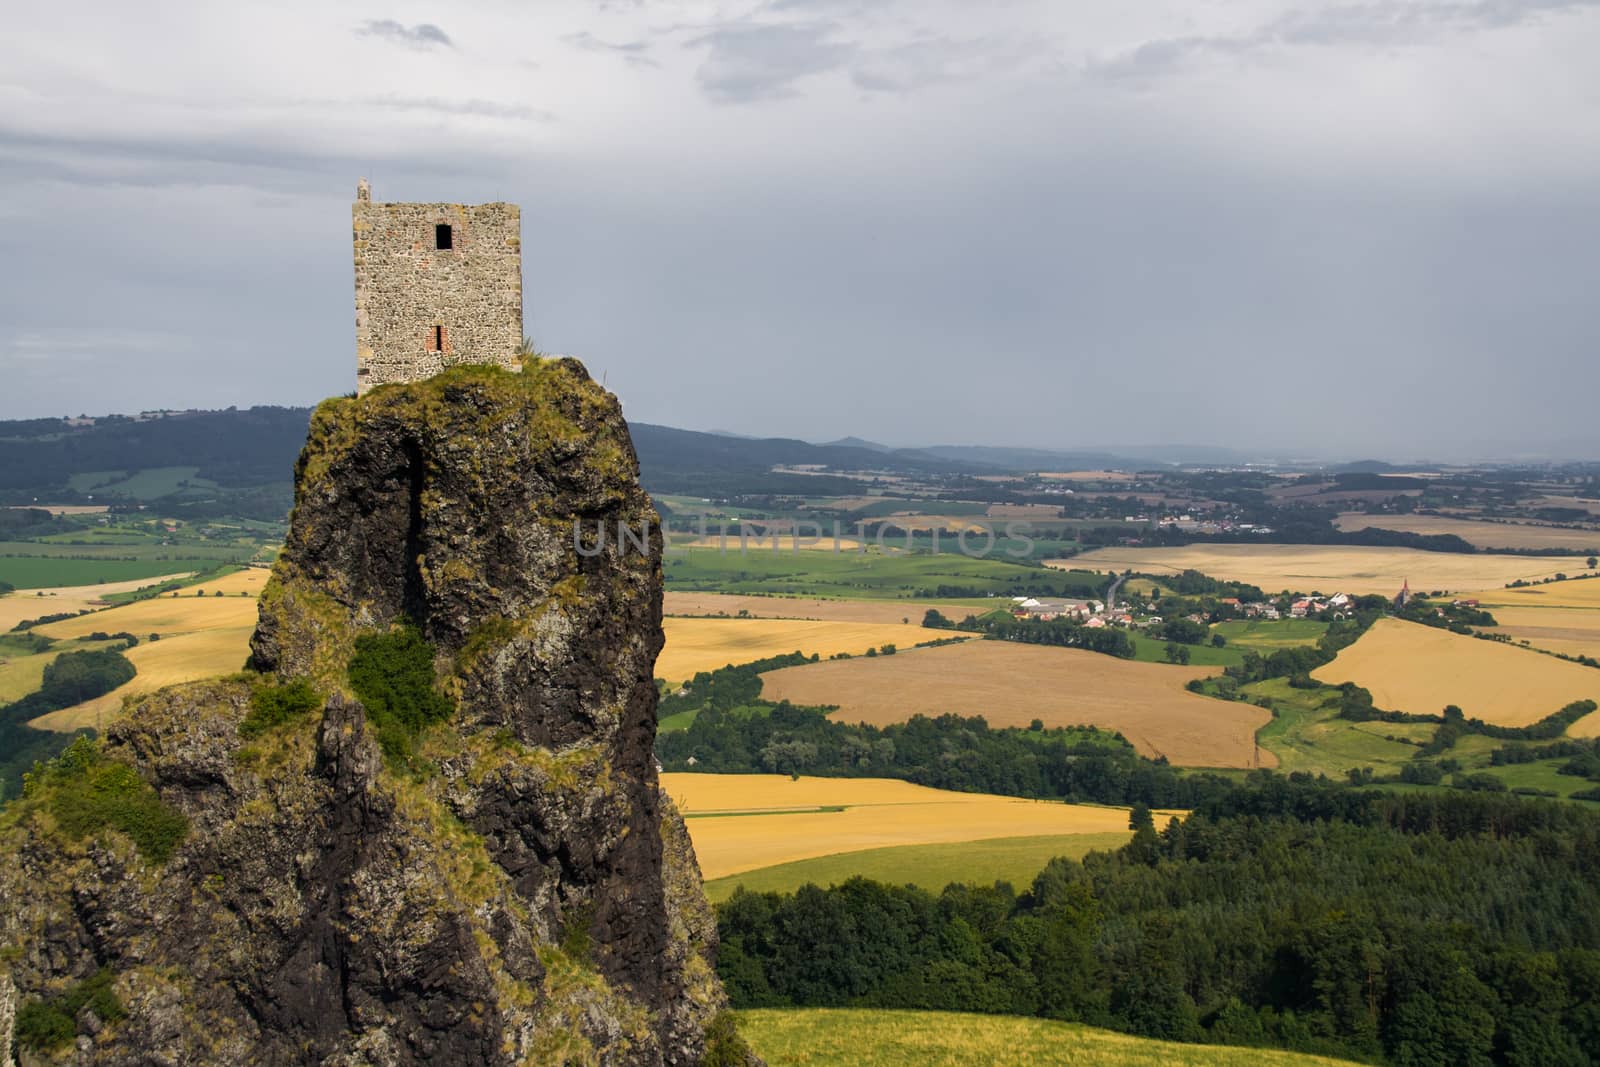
(436, 339)
(444, 237)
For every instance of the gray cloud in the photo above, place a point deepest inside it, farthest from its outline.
(479, 108)
(754, 61)
(422, 35)
(631, 52)
(944, 231)
(1335, 25)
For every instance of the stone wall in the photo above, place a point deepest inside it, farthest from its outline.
(420, 309)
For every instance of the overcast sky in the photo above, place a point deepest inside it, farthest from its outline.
(1354, 228)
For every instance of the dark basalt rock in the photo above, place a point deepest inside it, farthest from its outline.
(522, 892)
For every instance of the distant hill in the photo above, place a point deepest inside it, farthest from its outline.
(857, 442)
(688, 461)
(199, 452)
(1034, 459)
(64, 461)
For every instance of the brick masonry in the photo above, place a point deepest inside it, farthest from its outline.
(420, 308)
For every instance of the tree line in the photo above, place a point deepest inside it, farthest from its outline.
(1411, 929)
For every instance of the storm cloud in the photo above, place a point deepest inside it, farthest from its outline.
(1296, 228)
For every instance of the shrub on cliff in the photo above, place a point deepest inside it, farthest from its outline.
(392, 673)
(87, 793)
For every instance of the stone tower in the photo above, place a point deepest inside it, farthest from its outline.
(436, 285)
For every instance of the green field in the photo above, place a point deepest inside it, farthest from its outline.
(870, 576)
(1154, 650)
(45, 572)
(1267, 635)
(1308, 735)
(860, 1038)
(1017, 860)
(149, 484)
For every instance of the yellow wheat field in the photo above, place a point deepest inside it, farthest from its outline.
(1013, 684)
(1479, 533)
(1088, 476)
(184, 613)
(1559, 617)
(201, 637)
(34, 603)
(1588, 726)
(793, 607)
(1420, 669)
(1571, 631)
(182, 658)
(1331, 568)
(742, 822)
(1579, 593)
(695, 645)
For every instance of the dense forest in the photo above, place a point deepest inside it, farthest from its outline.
(1410, 929)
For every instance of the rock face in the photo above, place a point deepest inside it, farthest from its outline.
(514, 890)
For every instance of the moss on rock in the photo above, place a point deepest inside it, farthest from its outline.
(327, 906)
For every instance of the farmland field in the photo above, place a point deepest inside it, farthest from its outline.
(1308, 735)
(201, 637)
(695, 645)
(839, 1037)
(1005, 859)
(1332, 568)
(184, 613)
(1420, 669)
(781, 607)
(20, 606)
(1012, 684)
(1147, 649)
(873, 576)
(173, 659)
(1479, 533)
(1560, 617)
(40, 572)
(743, 822)
(21, 674)
(807, 542)
(1269, 635)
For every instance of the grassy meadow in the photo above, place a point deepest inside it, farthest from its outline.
(744, 822)
(838, 1037)
(1268, 635)
(1012, 684)
(871, 576)
(1308, 735)
(1005, 859)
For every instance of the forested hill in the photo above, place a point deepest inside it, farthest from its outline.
(234, 448)
(50, 458)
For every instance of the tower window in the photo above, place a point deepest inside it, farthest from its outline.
(436, 339)
(444, 237)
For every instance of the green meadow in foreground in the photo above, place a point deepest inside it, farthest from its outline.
(1006, 859)
(856, 1038)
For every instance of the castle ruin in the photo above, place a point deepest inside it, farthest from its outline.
(436, 285)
